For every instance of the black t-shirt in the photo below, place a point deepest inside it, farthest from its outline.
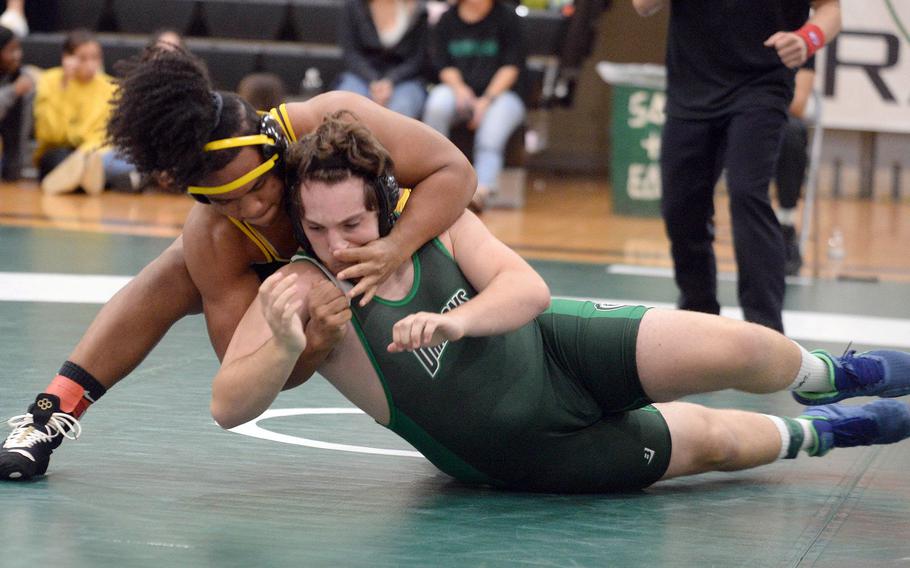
(366, 57)
(716, 59)
(478, 50)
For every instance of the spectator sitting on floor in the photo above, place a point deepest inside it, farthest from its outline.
(72, 106)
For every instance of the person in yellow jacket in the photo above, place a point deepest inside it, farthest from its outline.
(72, 108)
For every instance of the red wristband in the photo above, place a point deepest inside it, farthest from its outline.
(813, 36)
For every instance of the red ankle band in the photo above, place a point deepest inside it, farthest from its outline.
(71, 393)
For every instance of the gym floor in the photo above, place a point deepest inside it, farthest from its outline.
(153, 481)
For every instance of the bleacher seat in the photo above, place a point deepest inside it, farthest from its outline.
(116, 48)
(43, 50)
(544, 31)
(241, 19)
(316, 21)
(146, 16)
(63, 15)
(228, 62)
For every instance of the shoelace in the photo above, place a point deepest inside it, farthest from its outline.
(26, 435)
(860, 366)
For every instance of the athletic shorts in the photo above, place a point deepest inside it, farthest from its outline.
(629, 447)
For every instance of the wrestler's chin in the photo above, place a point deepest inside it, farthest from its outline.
(266, 219)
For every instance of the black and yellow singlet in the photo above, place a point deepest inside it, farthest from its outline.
(555, 405)
(272, 261)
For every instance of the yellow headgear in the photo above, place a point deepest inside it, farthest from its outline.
(274, 144)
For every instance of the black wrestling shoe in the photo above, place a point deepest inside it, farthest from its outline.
(27, 450)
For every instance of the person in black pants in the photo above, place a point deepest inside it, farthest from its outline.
(730, 69)
(791, 166)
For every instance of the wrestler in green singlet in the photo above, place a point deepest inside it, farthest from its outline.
(555, 405)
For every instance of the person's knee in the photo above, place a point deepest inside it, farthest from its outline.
(440, 102)
(718, 449)
(347, 81)
(409, 102)
(749, 348)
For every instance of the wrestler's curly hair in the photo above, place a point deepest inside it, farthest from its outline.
(340, 147)
(165, 111)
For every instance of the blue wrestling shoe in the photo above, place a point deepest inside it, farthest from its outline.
(874, 373)
(839, 426)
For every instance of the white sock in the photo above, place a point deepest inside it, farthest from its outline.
(786, 216)
(809, 434)
(793, 441)
(814, 374)
(784, 434)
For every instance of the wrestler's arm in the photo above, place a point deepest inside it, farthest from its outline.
(507, 285)
(217, 263)
(262, 355)
(440, 176)
(510, 292)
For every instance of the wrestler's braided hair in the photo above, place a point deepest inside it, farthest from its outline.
(165, 111)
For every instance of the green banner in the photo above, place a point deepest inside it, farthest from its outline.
(638, 116)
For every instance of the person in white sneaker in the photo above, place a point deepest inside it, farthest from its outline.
(72, 108)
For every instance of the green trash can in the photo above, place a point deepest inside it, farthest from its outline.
(635, 129)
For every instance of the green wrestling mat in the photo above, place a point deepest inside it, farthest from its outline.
(154, 482)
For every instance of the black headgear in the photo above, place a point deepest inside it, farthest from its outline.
(385, 187)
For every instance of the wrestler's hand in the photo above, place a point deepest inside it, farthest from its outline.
(372, 264)
(280, 306)
(790, 47)
(424, 329)
(329, 313)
